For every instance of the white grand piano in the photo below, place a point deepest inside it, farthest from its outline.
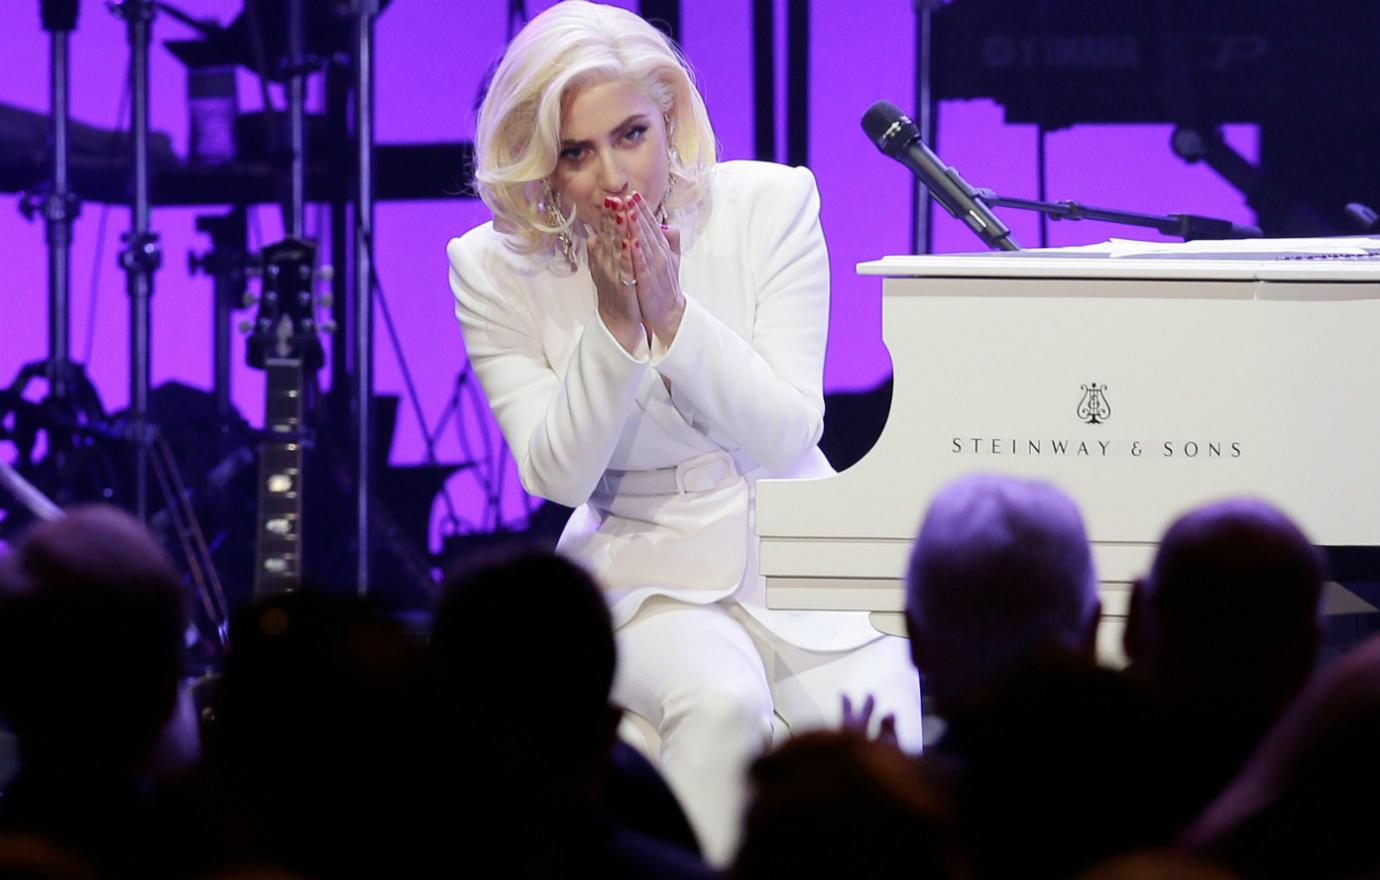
(1142, 379)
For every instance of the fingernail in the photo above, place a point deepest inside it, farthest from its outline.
(619, 219)
(637, 197)
(625, 244)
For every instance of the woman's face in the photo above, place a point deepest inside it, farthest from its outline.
(613, 143)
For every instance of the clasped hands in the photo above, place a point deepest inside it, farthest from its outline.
(635, 263)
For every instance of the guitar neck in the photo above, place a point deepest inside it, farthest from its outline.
(278, 554)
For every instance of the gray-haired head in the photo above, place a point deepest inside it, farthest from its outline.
(1001, 567)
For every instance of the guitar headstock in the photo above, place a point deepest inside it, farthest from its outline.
(286, 326)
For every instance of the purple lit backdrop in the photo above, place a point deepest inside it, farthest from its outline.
(431, 56)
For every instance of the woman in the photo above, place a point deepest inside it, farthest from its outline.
(649, 328)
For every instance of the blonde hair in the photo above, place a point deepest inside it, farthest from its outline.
(569, 46)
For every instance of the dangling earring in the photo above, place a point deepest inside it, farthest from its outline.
(560, 223)
(671, 139)
(673, 155)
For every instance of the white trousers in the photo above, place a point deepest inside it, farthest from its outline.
(710, 678)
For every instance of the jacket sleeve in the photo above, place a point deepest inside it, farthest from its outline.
(561, 429)
(764, 393)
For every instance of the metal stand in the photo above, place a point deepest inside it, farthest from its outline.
(1185, 226)
(922, 218)
(296, 66)
(70, 400)
(60, 207)
(362, 388)
(141, 255)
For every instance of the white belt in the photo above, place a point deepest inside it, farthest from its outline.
(699, 474)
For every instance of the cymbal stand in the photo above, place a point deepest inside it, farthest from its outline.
(70, 399)
(60, 206)
(142, 254)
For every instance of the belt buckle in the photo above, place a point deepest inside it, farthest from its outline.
(702, 473)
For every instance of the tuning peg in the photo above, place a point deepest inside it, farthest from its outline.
(327, 326)
(246, 326)
(325, 300)
(248, 300)
(326, 273)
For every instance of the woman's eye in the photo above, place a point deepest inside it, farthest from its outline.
(635, 134)
(572, 154)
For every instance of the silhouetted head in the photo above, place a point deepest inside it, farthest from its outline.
(1229, 614)
(526, 650)
(1298, 807)
(326, 734)
(1062, 763)
(1001, 567)
(91, 639)
(836, 804)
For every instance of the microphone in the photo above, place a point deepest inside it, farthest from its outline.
(894, 134)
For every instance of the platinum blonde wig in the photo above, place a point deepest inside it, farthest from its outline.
(568, 47)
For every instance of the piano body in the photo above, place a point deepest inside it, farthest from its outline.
(1142, 386)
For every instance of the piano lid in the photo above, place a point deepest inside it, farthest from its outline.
(1337, 259)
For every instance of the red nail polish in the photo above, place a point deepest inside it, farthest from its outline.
(637, 197)
(625, 244)
(619, 219)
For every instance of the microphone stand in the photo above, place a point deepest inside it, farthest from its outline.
(142, 254)
(1185, 226)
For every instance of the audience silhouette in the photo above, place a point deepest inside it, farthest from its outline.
(537, 709)
(1224, 633)
(1001, 567)
(91, 639)
(1305, 804)
(832, 804)
(340, 744)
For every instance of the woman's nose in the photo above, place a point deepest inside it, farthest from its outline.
(612, 177)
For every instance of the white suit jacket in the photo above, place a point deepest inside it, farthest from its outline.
(745, 372)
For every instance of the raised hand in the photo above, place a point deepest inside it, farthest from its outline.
(656, 264)
(860, 720)
(611, 265)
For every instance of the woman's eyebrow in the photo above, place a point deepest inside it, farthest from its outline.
(636, 117)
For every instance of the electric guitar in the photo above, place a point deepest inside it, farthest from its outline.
(283, 342)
